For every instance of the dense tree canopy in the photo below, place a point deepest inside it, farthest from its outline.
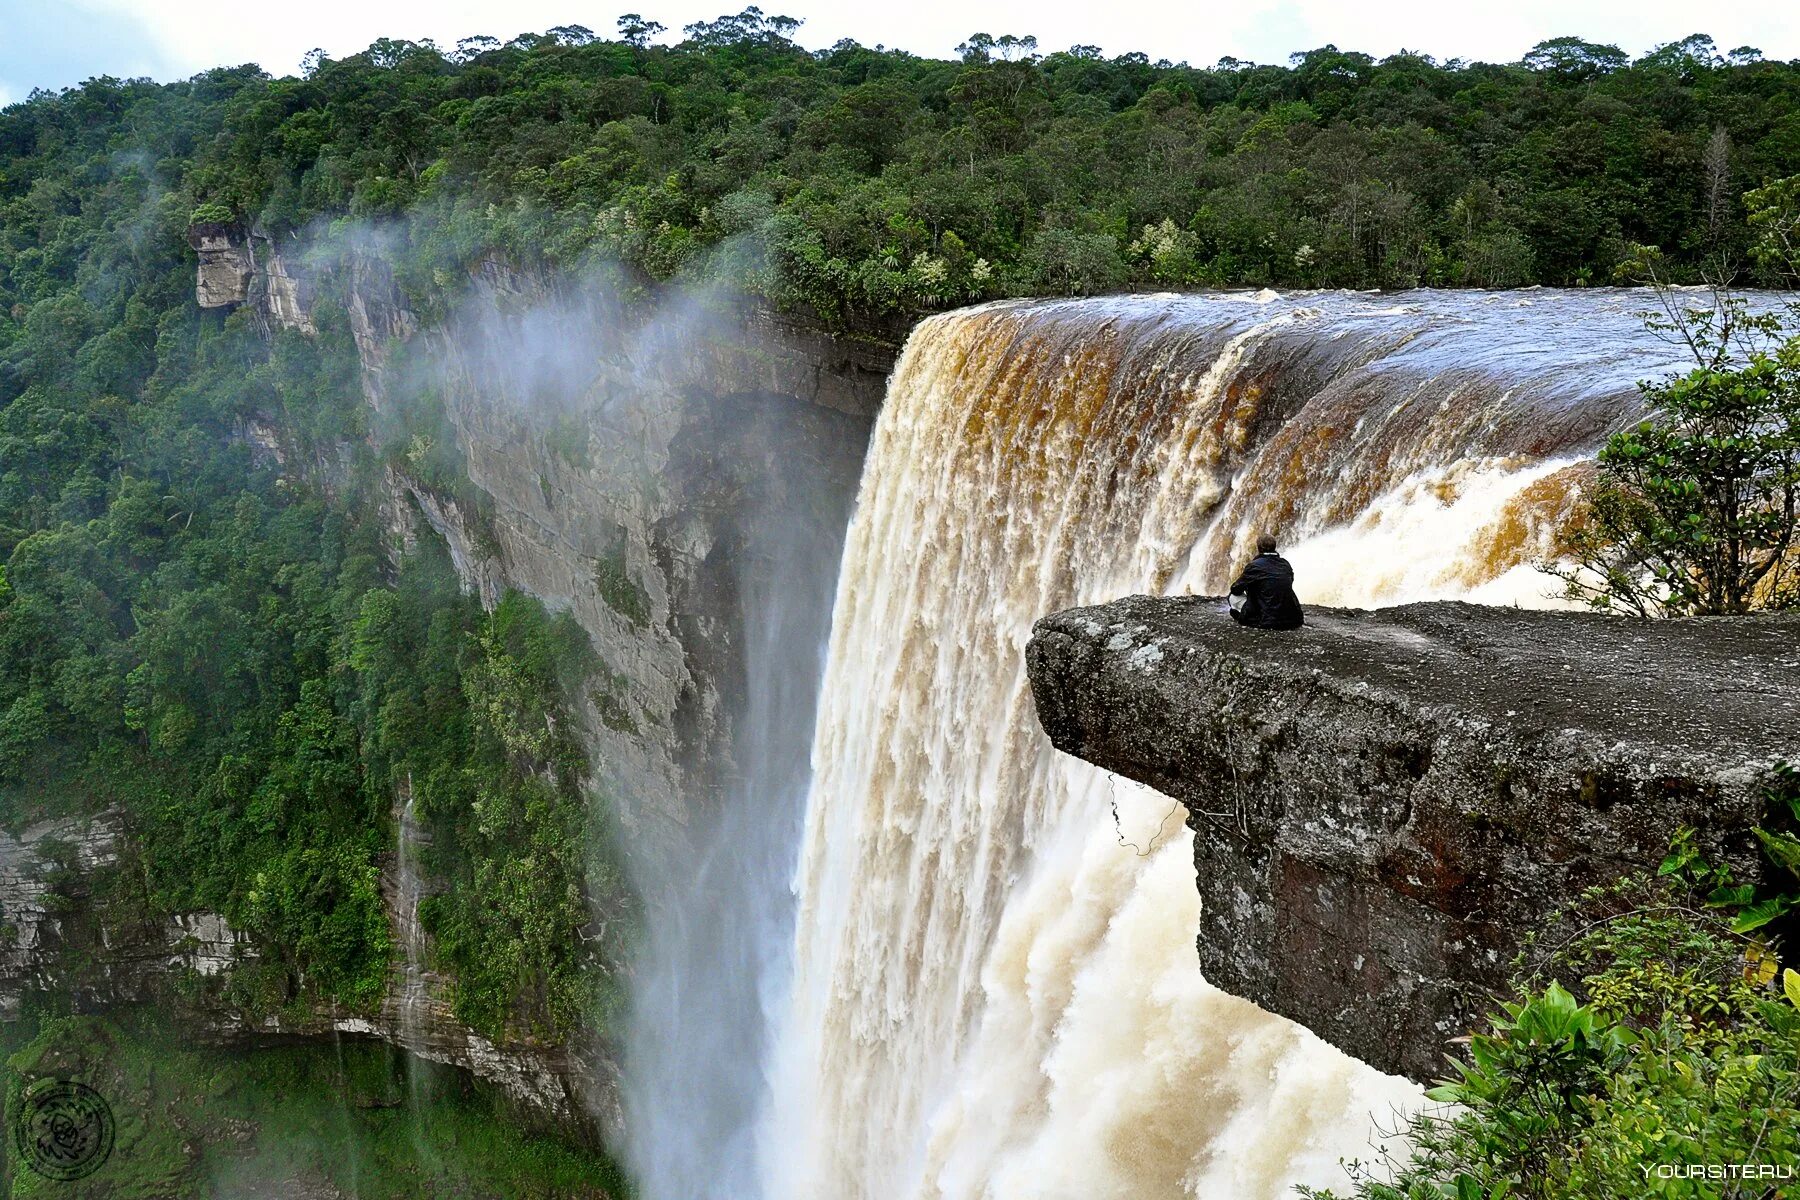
(858, 180)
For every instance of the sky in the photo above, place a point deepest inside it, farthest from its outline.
(54, 43)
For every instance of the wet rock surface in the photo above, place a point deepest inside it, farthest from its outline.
(1385, 803)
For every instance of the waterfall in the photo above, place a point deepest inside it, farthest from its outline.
(994, 991)
(722, 938)
(719, 936)
(415, 993)
(409, 892)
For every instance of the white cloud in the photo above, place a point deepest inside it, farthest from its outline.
(195, 36)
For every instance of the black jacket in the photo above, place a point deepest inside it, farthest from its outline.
(1267, 585)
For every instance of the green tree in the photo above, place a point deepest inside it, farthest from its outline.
(1774, 216)
(1694, 511)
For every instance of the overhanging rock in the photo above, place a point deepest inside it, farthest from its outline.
(1386, 802)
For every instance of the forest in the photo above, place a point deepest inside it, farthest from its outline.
(858, 182)
(190, 633)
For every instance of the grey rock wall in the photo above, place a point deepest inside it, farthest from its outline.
(619, 466)
(222, 278)
(627, 470)
(72, 938)
(1385, 803)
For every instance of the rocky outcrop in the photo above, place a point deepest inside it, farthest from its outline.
(1384, 803)
(243, 266)
(56, 939)
(222, 278)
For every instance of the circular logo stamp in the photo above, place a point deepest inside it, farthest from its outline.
(64, 1129)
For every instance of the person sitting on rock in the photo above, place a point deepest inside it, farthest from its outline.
(1263, 596)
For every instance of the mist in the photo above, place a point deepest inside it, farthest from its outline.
(739, 503)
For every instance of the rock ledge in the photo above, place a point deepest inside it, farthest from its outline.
(1386, 802)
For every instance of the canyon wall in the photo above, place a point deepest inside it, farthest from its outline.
(616, 448)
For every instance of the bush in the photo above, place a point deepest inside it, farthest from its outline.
(1695, 510)
(211, 213)
(1646, 1041)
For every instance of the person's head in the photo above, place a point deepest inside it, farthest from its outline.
(1265, 544)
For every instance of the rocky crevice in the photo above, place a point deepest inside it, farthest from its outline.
(1385, 803)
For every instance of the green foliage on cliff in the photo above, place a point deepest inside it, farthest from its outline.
(165, 635)
(612, 579)
(1673, 1047)
(863, 181)
(348, 1120)
(211, 213)
(467, 714)
(180, 616)
(1652, 1045)
(1752, 907)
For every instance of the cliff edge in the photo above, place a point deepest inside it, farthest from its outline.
(1385, 803)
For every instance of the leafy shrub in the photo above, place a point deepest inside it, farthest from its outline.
(211, 213)
(1646, 1040)
(1696, 509)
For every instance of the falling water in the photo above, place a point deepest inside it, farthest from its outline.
(992, 996)
(414, 998)
(719, 937)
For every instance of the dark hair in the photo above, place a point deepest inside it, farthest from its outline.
(1265, 544)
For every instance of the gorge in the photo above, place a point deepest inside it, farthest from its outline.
(912, 950)
(596, 616)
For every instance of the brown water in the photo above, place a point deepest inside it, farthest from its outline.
(991, 996)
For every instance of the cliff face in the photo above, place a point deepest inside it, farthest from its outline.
(237, 266)
(75, 940)
(630, 484)
(223, 276)
(60, 936)
(630, 471)
(1385, 803)
(630, 463)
